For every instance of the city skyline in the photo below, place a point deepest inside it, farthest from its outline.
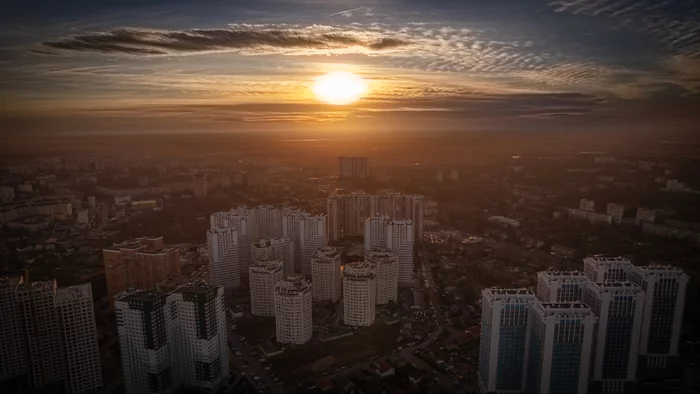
(141, 67)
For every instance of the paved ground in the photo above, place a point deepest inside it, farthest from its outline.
(253, 366)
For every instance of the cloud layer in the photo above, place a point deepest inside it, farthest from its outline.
(236, 38)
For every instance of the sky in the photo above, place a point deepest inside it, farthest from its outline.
(138, 66)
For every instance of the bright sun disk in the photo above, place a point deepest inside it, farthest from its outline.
(339, 87)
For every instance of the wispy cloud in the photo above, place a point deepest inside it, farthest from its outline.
(236, 38)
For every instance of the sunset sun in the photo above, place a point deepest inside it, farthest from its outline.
(339, 87)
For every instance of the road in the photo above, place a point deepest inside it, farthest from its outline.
(253, 365)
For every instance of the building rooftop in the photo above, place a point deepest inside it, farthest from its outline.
(326, 253)
(266, 264)
(358, 270)
(563, 274)
(293, 284)
(379, 255)
(603, 259)
(139, 295)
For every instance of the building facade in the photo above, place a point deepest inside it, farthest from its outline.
(49, 336)
(325, 274)
(224, 258)
(664, 298)
(618, 306)
(560, 286)
(275, 248)
(175, 341)
(353, 167)
(503, 355)
(386, 266)
(359, 294)
(606, 268)
(561, 338)
(263, 274)
(400, 241)
(312, 237)
(347, 213)
(139, 263)
(293, 310)
(376, 229)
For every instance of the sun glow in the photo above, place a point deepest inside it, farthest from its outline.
(339, 87)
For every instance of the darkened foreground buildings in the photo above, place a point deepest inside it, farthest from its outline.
(48, 337)
(615, 329)
(174, 341)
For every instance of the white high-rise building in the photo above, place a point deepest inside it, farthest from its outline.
(505, 328)
(242, 221)
(334, 230)
(224, 262)
(325, 274)
(293, 310)
(606, 268)
(560, 342)
(276, 248)
(400, 241)
(619, 307)
(200, 343)
(263, 274)
(386, 266)
(312, 234)
(376, 229)
(347, 213)
(12, 351)
(146, 328)
(83, 217)
(173, 341)
(291, 222)
(359, 294)
(664, 299)
(560, 286)
(77, 317)
(53, 333)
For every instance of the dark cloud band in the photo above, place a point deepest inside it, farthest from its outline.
(236, 38)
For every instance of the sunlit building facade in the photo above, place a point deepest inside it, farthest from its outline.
(325, 274)
(386, 266)
(359, 294)
(293, 310)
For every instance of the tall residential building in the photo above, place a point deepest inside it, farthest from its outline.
(263, 274)
(277, 248)
(359, 294)
(400, 241)
(353, 167)
(376, 229)
(201, 349)
(312, 237)
(53, 333)
(560, 286)
(347, 212)
(13, 360)
(79, 336)
(606, 268)
(224, 259)
(561, 338)
(173, 341)
(325, 274)
(618, 306)
(293, 310)
(386, 266)
(503, 348)
(291, 223)
(664, 298)
(146, 325)
(139, 263)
